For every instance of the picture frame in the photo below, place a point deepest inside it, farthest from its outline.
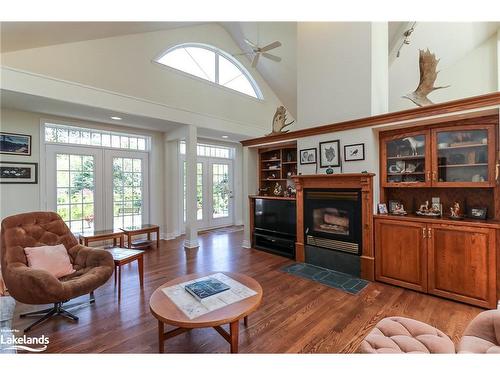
(329, 154)
(354, 152)
(478, 213)
(15, 144)
(382, 209)
(18, 173)
(308, 156)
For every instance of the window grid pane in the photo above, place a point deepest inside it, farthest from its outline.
(208, 150)
(69, 135)
(127, 192)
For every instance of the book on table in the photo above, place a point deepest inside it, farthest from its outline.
(206, 288)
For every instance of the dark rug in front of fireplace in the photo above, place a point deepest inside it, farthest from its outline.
(334, 279)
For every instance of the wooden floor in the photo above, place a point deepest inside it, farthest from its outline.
(296, 316)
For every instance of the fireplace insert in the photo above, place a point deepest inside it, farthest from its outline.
(332, 219)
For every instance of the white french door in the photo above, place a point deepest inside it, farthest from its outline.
(95, 188)
(214, 192)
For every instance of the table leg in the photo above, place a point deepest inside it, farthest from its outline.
(115, 275)
(158, 238)
(140, 262)
(160, 337)
(121, 241)
(245, 320)
(86, 242)
(119, 283)
(114, 241)
(129, 241)
(149, 236)
(234, 333)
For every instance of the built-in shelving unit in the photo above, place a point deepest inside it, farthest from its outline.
(277, 165)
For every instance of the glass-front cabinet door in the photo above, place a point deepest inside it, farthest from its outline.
(462, 156)
(406, 160)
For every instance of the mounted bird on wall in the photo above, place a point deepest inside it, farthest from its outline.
(428, 76)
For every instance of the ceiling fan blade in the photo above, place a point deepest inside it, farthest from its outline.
(271, 46)
(272, 57)
(255, 60)
(251, 44)
(241, 53)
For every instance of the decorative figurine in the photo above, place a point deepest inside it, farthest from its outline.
(455, 211)
(278, 190)
(425, 210)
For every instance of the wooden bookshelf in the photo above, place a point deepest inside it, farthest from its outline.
(277, 165)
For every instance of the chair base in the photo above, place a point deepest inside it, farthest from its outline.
(57, 310)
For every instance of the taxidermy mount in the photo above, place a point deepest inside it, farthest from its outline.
(279, 121)
(428, 75)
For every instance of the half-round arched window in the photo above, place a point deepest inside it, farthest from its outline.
(212, 64)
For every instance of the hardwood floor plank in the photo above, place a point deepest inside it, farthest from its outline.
(296, 316)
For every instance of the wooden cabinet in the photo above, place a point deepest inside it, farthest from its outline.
(456, 261)
(401, 253)
(439, 156)
(461, 263)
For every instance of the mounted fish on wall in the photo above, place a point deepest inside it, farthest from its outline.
(428, 75)
(279, 121)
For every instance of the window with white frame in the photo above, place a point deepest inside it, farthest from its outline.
(56, 133)
(212, 64)
(213, 151)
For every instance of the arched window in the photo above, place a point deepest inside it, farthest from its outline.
(211, 63)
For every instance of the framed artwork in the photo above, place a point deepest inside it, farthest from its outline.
(478, 213)
(354, 152)
(308, 156)
(329, 154)
(382, 209)
(18, 173)
(15, 144)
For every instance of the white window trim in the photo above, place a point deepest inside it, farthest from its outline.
(217, 51)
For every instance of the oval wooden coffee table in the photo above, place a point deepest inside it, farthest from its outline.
(167, 312)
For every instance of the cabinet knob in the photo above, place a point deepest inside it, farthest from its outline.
(423, 233)
(429, 233)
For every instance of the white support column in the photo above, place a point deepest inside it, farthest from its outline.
(250, 186)
(191, 240)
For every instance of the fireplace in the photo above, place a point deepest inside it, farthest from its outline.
(332, 219)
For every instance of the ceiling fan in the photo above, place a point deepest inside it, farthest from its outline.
(258, 51)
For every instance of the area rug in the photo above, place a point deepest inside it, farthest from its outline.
(334, 279)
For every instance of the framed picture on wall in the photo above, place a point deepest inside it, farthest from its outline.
(308, 156)
(354, 152)
(329, 154)
(18, 173)
(15, 144)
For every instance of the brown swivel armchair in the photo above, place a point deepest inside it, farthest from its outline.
(93, 267)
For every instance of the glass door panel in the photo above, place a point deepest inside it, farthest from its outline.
(199, 191)
(462, 156)
(220, 190)
(127, 192)
(406, 160)
(75, 191)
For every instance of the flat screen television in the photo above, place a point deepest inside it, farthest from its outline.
(277, 216)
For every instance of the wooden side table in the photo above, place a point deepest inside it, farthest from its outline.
(125, 256)
(166, 312)
(142, 229)
(101, 235)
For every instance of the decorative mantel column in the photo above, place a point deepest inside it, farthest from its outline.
(363, 181)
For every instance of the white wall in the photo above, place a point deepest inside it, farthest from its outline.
(476, 73)
(17, 198)
(124, 65)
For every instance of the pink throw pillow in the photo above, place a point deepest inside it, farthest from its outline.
(53, 259)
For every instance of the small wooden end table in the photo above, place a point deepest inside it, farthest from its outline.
(142, 229)
(101, 235)
(125, 256)
(166, 312)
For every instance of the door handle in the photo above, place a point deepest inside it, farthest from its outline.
(429, 233)
(423, 233)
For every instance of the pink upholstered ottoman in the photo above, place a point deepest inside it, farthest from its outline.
(404, 335)
(482, 335)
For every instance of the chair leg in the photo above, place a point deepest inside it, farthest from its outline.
(36, 313)
(41, 320)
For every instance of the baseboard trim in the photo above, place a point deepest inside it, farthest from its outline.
(246, 244)
(171, 236)
(191, 244)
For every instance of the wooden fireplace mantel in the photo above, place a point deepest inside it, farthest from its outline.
(363, 181)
